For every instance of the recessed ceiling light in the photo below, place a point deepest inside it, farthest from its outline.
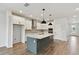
(20, 11)
(41, 14)
(77, 9)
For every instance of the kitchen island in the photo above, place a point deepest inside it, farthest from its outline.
(36, 42)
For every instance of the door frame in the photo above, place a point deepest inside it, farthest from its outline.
(21, 33)
(9, 31)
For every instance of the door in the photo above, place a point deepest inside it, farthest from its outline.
(17, 31)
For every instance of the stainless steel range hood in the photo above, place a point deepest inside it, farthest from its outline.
(34, 24)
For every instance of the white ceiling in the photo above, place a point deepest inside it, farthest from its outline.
(58, 10)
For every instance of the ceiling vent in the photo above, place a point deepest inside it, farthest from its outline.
(26, 4)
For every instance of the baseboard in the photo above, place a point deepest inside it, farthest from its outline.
(2, 45)
(61, 39)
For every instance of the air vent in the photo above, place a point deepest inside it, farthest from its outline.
(26, 4)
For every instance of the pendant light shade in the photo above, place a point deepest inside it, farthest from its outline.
(50, 24)
(43, 22)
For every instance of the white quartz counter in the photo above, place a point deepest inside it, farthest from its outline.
(37, 35)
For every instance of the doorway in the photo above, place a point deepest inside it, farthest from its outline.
(17, 33)
(75, 29)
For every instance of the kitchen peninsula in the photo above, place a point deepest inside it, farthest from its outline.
(38, 41)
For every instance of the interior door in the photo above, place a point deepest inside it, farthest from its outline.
(17, 29)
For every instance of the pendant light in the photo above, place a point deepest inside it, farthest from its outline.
(43, 22)
(50, 22)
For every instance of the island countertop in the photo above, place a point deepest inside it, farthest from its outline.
(38, 35)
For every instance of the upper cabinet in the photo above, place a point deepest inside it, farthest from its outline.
(18, 20)
(28, 24)
(39, 26)
(22, 21)
(42, 26)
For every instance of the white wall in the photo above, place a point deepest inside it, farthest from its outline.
(9, 29)
(5, 25)
(2, 28)
(61, 29)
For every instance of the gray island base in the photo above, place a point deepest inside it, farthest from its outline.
(36, 44)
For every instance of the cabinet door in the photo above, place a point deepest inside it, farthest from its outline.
(18, 20)
(28, 24)
(17, 31)
(21, 21)
(42, 26)
(38, 25)
(15, 19)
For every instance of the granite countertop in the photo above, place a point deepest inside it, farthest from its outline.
(38, 35)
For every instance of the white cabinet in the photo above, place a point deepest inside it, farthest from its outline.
(18, 20)
(39, 26)
(28, 24)
(17, 33)
(42, 26)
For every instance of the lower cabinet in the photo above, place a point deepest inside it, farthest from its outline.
(35, 45)
(43, 43)
(32, 45)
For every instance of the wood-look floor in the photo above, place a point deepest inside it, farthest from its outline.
(55, 48)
